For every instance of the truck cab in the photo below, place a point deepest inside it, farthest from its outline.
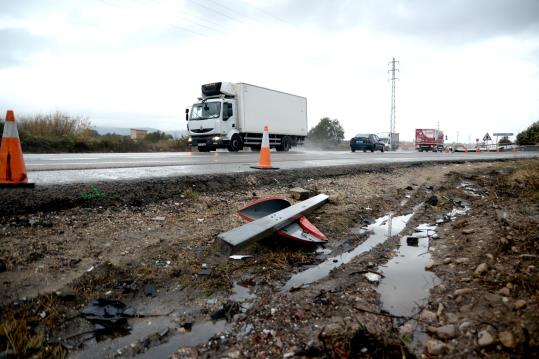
(212, 122)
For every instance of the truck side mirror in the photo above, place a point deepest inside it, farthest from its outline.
(186, 114)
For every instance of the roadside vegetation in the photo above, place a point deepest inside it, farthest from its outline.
(530, 136)
(62, 133)
(327, 134)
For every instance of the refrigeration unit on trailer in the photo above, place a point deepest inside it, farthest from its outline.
(233, 116)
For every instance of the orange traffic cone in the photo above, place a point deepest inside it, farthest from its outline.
(12, 168)
(265, 159)
(465, 149)
(477, 149)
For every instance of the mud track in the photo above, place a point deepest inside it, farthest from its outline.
(151, 245)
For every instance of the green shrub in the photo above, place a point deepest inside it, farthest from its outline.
(530, 136)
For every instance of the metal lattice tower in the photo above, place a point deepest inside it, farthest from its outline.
(392, 78)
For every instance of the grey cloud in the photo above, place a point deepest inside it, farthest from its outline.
(17, 44)
(452, 20)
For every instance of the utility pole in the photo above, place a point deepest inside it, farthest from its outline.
(392, 134)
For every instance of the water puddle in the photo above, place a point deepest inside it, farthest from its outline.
(140, 328)
(406, 284)
(381, 229)
(241, 294)
(200, 333)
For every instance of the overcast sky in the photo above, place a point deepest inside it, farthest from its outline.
(471, 65)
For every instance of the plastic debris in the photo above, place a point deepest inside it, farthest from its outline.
(110, 314)
(239, 257)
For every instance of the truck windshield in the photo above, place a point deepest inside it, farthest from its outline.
(206, 110)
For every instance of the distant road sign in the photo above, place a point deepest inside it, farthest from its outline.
(487, 137)
(503, 134)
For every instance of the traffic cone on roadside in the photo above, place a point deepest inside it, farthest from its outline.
(264, 163)
(12, 168)
(477, 149)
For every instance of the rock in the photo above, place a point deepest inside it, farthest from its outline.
(158, 219)
(485, 338)
(331, 330)
(507, 339)
(492, 297)
(490, 257)
(504, 291)
(452, 318)
(462, 291)
(481, 269)
(430, 263)
(447, 260)
(440, 310)
(428, 316)
(334, 196)
(435, 347)
(462, 260)
(465, 325)
(448, 331)
(233, 354)
(406, 330)
(468, 231)
(520, 303)
(300, 194)
(185, 353)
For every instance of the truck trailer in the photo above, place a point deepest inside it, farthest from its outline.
(233, 115)
(429, 140)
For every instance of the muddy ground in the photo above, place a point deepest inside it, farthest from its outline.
(157, 254)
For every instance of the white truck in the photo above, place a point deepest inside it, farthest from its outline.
(233, 115)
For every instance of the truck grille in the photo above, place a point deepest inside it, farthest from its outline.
(204, 130)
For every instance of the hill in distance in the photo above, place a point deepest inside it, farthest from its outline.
(123, 131)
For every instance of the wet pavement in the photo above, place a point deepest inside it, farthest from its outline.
(76, 168)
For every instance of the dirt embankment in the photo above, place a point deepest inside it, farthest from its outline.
(153, 248)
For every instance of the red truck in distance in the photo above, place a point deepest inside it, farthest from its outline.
(429, 140)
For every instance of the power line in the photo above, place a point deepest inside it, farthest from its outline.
(216, 11)
(182, 28)
(185, 18)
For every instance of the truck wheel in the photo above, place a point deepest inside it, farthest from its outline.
(382, 149)
(236, 144)
(285, 144)
(372, 148)
(353, 150)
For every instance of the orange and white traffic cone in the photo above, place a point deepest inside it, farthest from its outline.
(12, 168)
(265, 158)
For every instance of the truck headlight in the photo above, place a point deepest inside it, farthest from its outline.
(216, 138)
(189, 140)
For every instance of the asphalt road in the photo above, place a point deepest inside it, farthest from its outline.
(69, 168)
